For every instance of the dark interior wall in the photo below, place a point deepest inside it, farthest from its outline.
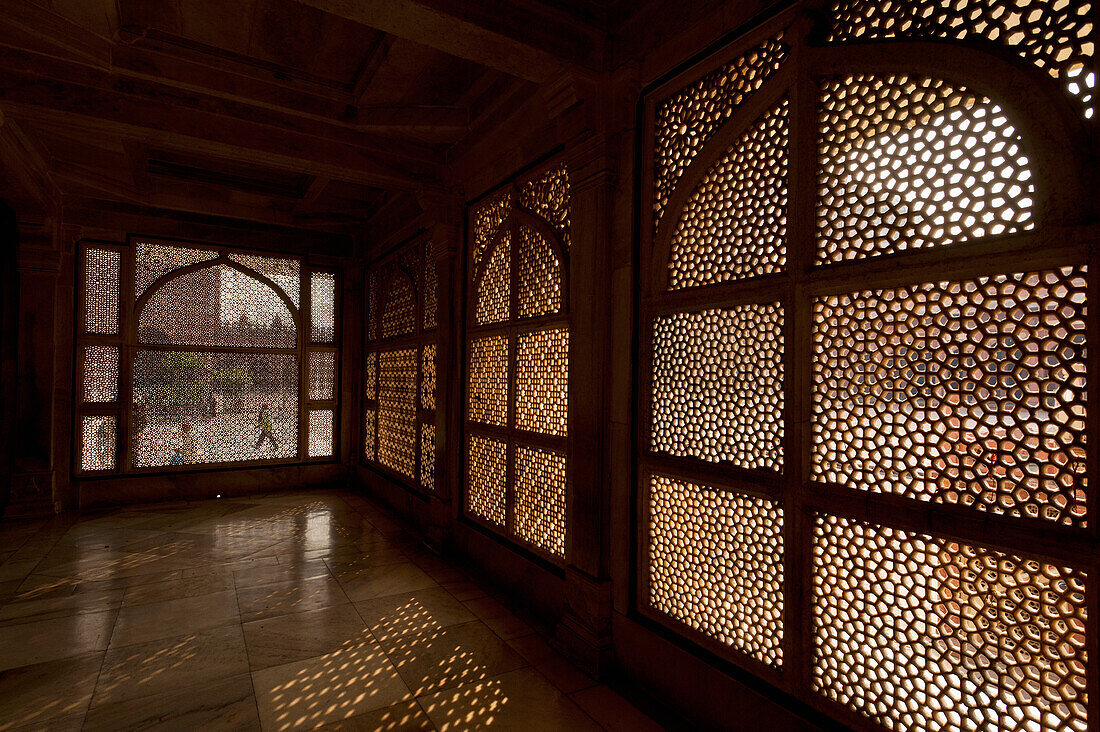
(9, 341)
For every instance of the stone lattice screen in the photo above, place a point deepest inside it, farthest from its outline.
(196, 355)
(864, 363)
(517, 355)
(399, 384)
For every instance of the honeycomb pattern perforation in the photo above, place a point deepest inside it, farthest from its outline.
(399, 310)
(397, 411)
(322, 375)
(548, 197)
(922, 633)
(968, 392)
(716, 564)
(487, 400)
(101, 291)
(486, 465)
(321, 425)
(487, 219)
(718, 386)
(735, 223)
(910, 163)
(100, 374)
(542, 381)
(540, 291)
(494, 303)
(540, 499)
(686, 120)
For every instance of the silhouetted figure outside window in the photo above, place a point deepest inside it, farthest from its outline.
(103, 445)
(266, 428)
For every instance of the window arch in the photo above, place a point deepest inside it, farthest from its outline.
(219, 357)
(400, 365)
(517, 395)
(863, 466)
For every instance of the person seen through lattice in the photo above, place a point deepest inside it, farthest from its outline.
(103, 444)
(263, 421)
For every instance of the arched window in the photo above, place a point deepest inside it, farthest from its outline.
(517, 395)
(399, 391)
(863, 466)
(200, 361)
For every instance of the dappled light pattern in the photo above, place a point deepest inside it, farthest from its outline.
(153, 260)
(969, 393)
(542, 382)
(494, 289)
(540, 498)
(101, 296)
(1055, 36)
(486, 461)
(100, 374)
(718, 386)
(540, 283)
(910, 163)
(217, 306)
(734, 226)
(397, 411)
(716, 564)
(99, 443)
(688, 119)
(922, 633)
(211, 407)
(487, 400)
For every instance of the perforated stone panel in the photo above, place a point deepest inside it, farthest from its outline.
(322, 375)
(921, 633)
(718, 386)
(153, 260)
(369, 430)
(540, 498)
(686, 120)
(285, 273)
(548, 197)
(1055, 36)
(100, 374)
(487, 219)
(99, 443)
(427, 456)
(323, 307)
(427, 384)
(716, 564)
(321, 427)
(542, 381)
(494, 292)
(101, 286)
(372, 306)
(969, 393)
(487, 397)
(910, 163)
(539, 275)
(371, 376)
(431, 289)
(397, 411)
(208, 407)
(735, 223)
(486, 472)
(399, 309)
(217, 306)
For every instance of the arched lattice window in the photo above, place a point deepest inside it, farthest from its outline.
(399, 385)
(517, 386)
(192, 355)
(863, 465)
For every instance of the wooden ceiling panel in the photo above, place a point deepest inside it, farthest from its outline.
(413, 74)
(219, 24)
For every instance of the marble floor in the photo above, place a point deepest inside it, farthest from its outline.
(287, 611)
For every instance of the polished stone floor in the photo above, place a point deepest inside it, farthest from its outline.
(288, 611)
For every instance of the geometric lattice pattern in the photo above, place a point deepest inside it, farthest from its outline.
(487, 219)
(370, 427)
(548, 197)
(153, 260)
(909, 163)
(716, 564)
(431, 289)
(920, 633)
(100, 374)
(686, 120)
(1055, 36)
(735, 223)
(101, 298)
(494, 290)
(217, 306)
(970, 393)
(399, 311)
(542, 381)
(285, 273)
(487, 396)
(397, 411)
(321, 426)
(540, 499)
(322, 307)
(99, 440)
(718, 386)
(370, 376)
(486, 461)
(427, 456)
(539, 275)
(372, 306)
(213, 407)
(427, 382)
(322, 375)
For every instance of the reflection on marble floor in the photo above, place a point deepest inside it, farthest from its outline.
(279, 612)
